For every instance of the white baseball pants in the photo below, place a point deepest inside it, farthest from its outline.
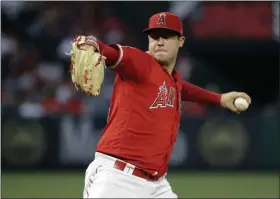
(102, 180)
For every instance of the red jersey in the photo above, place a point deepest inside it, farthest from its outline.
(144, 113)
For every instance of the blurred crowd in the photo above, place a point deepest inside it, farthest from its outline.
(35, 37)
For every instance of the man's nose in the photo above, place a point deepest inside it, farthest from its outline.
(160, 41)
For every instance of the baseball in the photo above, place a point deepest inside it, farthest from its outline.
(241, 104)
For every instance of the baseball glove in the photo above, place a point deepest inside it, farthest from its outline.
(87, 65)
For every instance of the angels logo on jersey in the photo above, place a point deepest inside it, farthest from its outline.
(164, 97)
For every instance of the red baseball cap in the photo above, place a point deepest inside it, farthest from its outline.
(165, 20)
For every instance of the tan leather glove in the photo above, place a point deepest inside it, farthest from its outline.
(87, 65)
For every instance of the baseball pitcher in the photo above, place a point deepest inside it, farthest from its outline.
(131, 159)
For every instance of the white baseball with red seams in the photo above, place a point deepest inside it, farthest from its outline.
(241, 104)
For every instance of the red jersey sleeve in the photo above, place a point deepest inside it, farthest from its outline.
(132, 64)
(194, 93)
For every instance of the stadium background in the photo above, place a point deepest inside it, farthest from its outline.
(49, 130)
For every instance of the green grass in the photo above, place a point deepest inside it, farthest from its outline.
(186, 185)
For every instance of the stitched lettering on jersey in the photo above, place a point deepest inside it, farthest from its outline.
(164, 97)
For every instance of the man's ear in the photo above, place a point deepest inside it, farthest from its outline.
(181, 41)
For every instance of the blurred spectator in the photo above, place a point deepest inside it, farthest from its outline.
(35, 73)
(183, 8)
(113, 28)
(31, 106)
(8, 45)
(12, 8)
(184, 66)
(276, 21)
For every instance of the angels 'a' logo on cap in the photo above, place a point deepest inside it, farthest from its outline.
(161, 19)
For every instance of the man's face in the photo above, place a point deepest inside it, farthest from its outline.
(164, 45)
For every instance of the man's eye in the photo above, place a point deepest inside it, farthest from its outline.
(155, 36)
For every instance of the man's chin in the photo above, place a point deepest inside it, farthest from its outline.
(161, 61)
(159, 57)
